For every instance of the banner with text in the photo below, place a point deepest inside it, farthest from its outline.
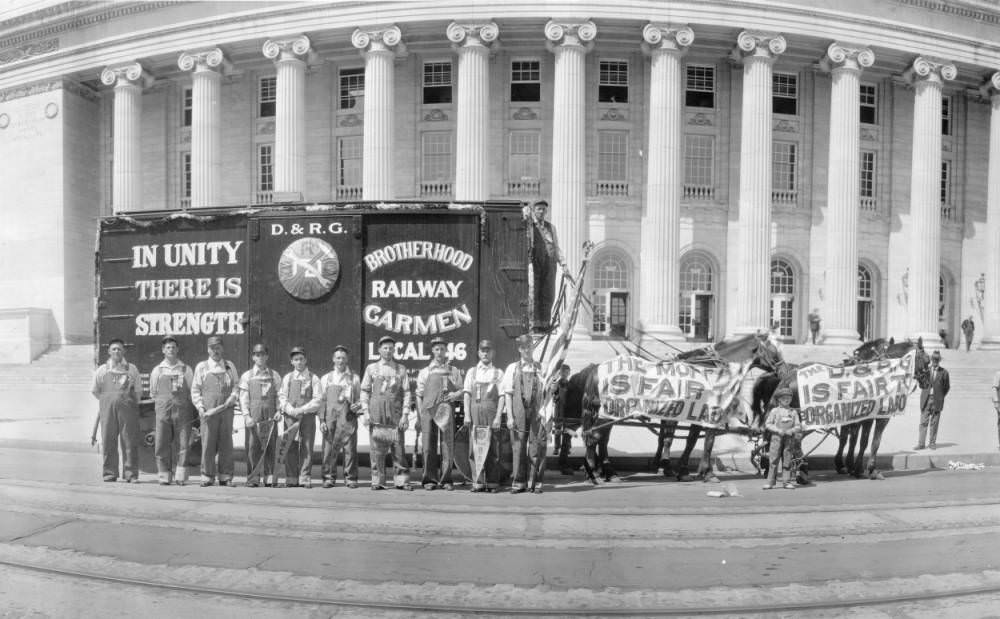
(674, 391)
(831, 396)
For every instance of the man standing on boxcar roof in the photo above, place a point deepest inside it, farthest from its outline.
(385, 398)
(299, 400)
(117, 389)
(214, 392)
(170, 388)
(545, 257)
(439, 385)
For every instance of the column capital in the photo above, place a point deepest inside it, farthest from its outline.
(130, 73)
(763, 45)
(290, 48)
(209, 59)
(388, 39)
(473, 35)
(562, 35)
(666, 38)
(990, 88)
(934, 70)
(842, 56)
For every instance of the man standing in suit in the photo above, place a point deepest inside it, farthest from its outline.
(932, 401)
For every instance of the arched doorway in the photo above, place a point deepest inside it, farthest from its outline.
(783, 297)
(697, 298)
(610, 295)
(866, 304)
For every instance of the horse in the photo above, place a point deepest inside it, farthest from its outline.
(783, 374)
(583, 394)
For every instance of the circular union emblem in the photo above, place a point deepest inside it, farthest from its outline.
(308, 268)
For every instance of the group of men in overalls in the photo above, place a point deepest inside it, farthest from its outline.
(282, 413)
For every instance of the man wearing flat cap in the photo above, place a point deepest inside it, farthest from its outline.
(438, 388)
(338, 419)
(117, 389)
(523, 394)
(259, 402)
(786, 431)
(170, 389)
(482, 401)
(936, 387)
(299, 401)
(385, 398)
(213, 393)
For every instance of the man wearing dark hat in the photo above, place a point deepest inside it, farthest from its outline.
(338, 419)
(213, 393)
(385, 398)
(545, 256)
(523, 393)
(117, 389)
(259, 402)
(170, 389)
(299, 401)
(482, 401)
(937, 386)
(438, 387)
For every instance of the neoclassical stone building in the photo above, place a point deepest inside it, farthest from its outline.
(735, 162)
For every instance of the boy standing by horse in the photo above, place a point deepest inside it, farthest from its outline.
(785, 428)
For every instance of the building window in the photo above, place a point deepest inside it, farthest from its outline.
(267, 96)
(611, 155)
(436, 156)
(784, 97)
(349, 151)
(699, 88)
(525, 81)
(352, 87)
(437, 82)
(699, 160)
(613, 84)
(941, 299)
(265, 173)
(864, 283)
(524, 163)
(610, 295)
(945, 183)
(782, 296)
(185, 179)
(867, 185)
(866, 303)
(696, 297)
(868, 104)
(945, 115)
(783, 168)
(187, 106)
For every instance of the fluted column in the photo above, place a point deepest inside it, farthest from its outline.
(927, 77)
(570, 43)
(379, 49)
(991, 293)
(290, 112)
(753, 293)
(473, 42)
(660, 231)
(126, 169)
(206, 124)
(843, 191)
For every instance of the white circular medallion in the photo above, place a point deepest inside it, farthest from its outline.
(308, 268)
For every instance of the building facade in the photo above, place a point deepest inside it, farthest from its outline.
(737, 164)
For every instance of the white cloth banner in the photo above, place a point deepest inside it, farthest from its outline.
(671, 390)
(832, 396)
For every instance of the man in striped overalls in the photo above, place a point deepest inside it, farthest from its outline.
(338, 419)
(170, 389)
(385, 398)
(259, 402)
(438, 386)
(117, 389)
(523, 390)
(482, 401)
(213, 393)
(299, 401)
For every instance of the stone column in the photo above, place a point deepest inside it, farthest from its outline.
(840, 313)
(570, 43)
(379, 49)
(660, 230)
(126, 174)
(753, 294)
(206, 124)
(290, 114)
(473, 42)
(991, 297)
(926, 76)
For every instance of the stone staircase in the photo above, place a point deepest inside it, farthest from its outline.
(65, 367)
